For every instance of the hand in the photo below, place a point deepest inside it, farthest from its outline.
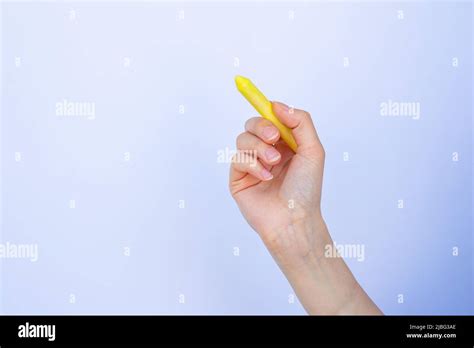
(278, 188)
(279, 193)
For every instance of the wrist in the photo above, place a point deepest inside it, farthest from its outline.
(298, 245)
(323, 283)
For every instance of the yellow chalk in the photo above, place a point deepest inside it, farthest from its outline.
(264, 108)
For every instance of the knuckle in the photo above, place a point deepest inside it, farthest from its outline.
(316, 151)
(240, 140)
(248, 123)
(320, 152)
(306, 115)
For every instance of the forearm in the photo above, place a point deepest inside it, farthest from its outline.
(323, 284)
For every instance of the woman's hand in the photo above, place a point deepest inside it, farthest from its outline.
(278, 188)
(279, 193)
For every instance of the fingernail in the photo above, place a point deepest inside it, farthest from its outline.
(271, 154)
(270, 132)
(266, 175)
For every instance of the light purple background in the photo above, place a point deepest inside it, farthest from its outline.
(190, 62)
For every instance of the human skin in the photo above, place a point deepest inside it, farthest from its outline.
(279, 194)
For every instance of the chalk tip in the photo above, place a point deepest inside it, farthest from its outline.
(241, 81)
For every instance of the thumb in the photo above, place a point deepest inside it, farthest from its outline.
(301, 124)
